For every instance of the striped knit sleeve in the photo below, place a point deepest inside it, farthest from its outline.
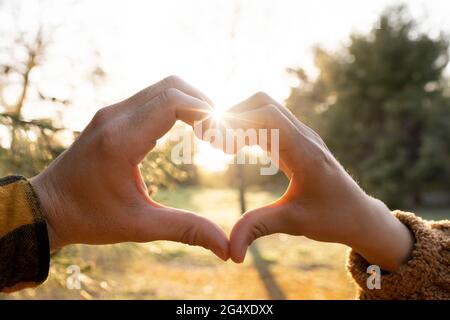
(24, 244)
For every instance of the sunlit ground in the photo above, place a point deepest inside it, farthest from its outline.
(300, 269)
(287, 267)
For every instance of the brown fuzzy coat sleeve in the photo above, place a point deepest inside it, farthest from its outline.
(425, 276)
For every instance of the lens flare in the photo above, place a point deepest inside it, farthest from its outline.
(218, 114)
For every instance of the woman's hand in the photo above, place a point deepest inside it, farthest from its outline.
(322, 201)
(93, 193)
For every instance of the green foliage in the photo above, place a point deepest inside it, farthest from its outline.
(31, 146)
(158, 170)
(380, 105)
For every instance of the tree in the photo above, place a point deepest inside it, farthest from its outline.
(31, 144)
(380, 105)
(27, 145)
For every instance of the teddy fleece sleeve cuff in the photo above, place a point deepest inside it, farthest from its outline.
(426, 275)
(24, 243)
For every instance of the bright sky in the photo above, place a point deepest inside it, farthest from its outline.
(141, 42)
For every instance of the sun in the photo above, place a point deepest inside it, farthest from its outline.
(218, 115)
(207, 157)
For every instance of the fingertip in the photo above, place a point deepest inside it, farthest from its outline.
(192, 109)
(189, 228)
(223, 250)
(221, 253)
(217, 241)
(238, 253)
(238, 247)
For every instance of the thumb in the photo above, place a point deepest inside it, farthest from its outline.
(164, 223)
(252, 225)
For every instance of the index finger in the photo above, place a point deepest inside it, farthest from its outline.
(149, 122)
(294, 147)
(156, 89)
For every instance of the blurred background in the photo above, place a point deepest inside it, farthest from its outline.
(370, 76)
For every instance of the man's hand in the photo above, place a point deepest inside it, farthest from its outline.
(93, 193)
(322, 201)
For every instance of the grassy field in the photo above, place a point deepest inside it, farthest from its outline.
(278, 266)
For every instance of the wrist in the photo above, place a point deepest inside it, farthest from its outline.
(43, 192)
(383, 240)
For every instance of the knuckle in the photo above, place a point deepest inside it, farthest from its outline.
(263, 97)
(272, 110)
(104, 130)
(314, 135)
(169, 96)
(102, 116)
(270, 115)
(318, 156)
(106, 139)
(172, 81)
(190, 235)
(258, 230)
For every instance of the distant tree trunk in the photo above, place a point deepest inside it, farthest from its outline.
(232, 34)
(416, 198)
(17, 111)
(415, 134)
(242, 186)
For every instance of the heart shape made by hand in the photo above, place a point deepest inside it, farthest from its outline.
(94, 192)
